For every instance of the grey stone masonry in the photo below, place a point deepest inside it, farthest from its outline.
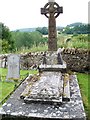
(16, 108)
(48, 89)
(76, 59)
(66, 87)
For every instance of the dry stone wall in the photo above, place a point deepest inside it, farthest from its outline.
(76, 59)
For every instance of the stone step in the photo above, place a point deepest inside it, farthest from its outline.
(57, 68)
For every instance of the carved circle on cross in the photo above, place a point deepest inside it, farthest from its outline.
(52, 7)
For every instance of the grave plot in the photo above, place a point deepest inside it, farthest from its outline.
(17, 108)
(32, 100)
(47, 95)
(48, 88)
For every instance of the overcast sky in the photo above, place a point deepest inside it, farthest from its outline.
(26, 13)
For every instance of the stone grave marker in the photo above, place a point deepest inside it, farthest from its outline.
(13, 67)
(49, 87)
(52, 10)
(32, 100)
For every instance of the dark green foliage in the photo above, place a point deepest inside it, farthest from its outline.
(77, 28)
(5, 39)
(0, 30)
(26, 40)
(42, 30)
(74, 24)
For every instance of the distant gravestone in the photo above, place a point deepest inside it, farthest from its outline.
(13, 67)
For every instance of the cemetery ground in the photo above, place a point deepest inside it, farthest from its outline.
(6, 87)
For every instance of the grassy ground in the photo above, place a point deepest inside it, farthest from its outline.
(83, 80)
(34, 49)
(5, 89)
(3, 73)
(76, 41)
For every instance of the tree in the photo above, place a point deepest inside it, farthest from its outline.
(42, 30)
(77, 28)
(22, 39)
(36, 38)
(5, 36)
(26, 39)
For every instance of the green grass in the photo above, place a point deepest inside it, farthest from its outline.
(84, 88)
(5, 89)
(22, 72)
(3, 73)
(77, 41)
(34, 49)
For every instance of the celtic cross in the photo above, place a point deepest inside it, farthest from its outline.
(52, 10)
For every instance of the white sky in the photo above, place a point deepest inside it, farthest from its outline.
(26, 13)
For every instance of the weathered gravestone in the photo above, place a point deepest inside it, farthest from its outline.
(13, 67)
(49, 86)
(52, 10)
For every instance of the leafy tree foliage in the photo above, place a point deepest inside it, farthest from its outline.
(77, 29)
(27, 40)
(21, 39)
(42, 30)
(6, 42)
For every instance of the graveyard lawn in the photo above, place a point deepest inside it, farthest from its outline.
(83, 80)
(5, 89)
(3, 73)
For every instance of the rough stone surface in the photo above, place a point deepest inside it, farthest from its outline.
(58, 68)
(66, 87)
(52, 10)
(74, 110)
(76, 59)
(48, 88)
(13, 67)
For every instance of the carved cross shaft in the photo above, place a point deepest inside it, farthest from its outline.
(52, 10)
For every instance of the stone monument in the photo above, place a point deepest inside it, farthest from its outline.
(52, 10)
(49, 85)
(51, 94)
(13, 62)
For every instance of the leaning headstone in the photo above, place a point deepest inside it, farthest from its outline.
(13, 67)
